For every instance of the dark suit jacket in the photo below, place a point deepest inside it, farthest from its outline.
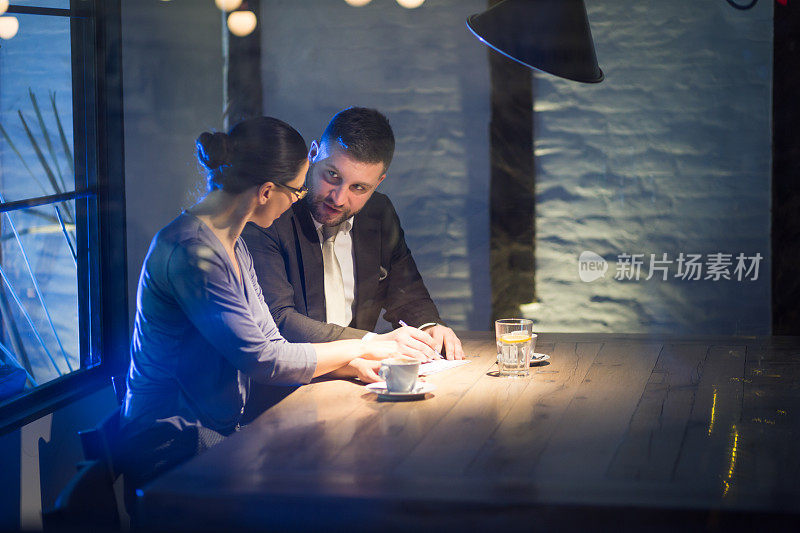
(287, 258)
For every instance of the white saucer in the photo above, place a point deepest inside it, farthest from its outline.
(420, 390)
(537, 358)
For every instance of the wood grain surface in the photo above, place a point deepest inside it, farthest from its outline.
(666, 431)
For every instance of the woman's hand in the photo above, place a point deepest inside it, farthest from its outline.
(338, 354)
(365, 370)
(377, 350)
(412, 342)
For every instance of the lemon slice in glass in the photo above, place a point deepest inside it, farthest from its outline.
(515, 337)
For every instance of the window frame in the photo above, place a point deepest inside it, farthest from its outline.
(95, 35)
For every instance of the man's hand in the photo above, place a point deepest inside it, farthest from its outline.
(412, 342)
(445, 337)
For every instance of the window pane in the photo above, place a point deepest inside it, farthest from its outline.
(36, 148)
(39, 292)
(63, 4)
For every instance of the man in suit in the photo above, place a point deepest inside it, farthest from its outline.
(332, 262)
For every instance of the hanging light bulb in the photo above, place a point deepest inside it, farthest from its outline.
(357, 3)
(3, 6)
(228, 5)
(8, 27)
(410, 4)
(242, 23)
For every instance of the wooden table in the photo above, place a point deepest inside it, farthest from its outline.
(617, 431)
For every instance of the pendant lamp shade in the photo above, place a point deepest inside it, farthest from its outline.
(548, 35)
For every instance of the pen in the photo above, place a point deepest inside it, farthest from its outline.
(404, 324)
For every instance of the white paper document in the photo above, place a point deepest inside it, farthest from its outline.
(431, 367)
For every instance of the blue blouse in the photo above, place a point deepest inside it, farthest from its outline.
(201, 334)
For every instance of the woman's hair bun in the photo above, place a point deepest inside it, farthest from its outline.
(254, 151)
(213, 150)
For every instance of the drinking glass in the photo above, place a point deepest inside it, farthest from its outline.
(515, 344)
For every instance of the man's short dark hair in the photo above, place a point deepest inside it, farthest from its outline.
(365, 134)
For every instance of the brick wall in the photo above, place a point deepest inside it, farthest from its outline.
(172, 76)
(670, 154)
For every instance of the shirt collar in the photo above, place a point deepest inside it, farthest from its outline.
(345, 226)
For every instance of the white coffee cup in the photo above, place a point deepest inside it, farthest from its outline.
(400, 373)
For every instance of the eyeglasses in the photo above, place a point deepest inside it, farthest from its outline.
(300, 193)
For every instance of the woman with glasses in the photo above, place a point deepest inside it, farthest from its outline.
(202, 330)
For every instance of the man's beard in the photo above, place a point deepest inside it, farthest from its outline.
(316, 204)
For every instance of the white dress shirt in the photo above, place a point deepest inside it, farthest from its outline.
(343, 248)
